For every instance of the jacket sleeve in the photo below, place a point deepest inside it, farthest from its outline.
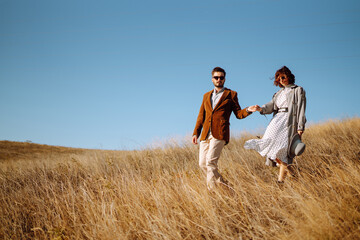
(301, 100)
(268, 107)
(200, 120)
(239, 113)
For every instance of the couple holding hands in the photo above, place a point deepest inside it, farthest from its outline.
(281, 141)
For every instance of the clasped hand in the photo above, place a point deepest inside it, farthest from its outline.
(254, 108)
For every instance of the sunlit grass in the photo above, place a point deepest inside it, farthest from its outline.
(161, 193)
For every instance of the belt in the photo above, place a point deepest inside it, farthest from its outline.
(282, 109)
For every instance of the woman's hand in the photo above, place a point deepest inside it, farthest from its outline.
(300, 133)
(254, 108)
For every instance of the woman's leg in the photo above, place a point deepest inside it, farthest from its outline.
(283, 170)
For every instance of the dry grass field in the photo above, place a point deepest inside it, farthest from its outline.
(62, 193)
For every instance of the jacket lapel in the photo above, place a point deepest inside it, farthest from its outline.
(291, 97)
(223, 97)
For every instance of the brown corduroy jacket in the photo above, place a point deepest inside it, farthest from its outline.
(217, 119)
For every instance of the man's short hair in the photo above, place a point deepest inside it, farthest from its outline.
(218, 69)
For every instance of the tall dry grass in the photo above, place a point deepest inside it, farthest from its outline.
(161, 193)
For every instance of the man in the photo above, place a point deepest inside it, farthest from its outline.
(213, 120)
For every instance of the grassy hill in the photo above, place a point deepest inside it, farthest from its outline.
(63, 193)
(29, 151)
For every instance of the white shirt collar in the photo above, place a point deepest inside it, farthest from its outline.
(221, 90)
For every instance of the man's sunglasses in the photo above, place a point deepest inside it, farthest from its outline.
(217, 78)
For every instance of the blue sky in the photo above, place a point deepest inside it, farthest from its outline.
(126, 74)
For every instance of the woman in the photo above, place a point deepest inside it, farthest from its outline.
(288, 106)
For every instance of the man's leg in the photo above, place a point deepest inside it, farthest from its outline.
(212, 158)
(203, 150)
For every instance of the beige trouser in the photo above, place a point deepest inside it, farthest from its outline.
(209, 154)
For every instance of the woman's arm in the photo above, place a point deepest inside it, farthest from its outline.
(268, 107)
(301, 100)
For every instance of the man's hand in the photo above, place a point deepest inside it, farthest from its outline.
(194, 140)
(254, 108)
